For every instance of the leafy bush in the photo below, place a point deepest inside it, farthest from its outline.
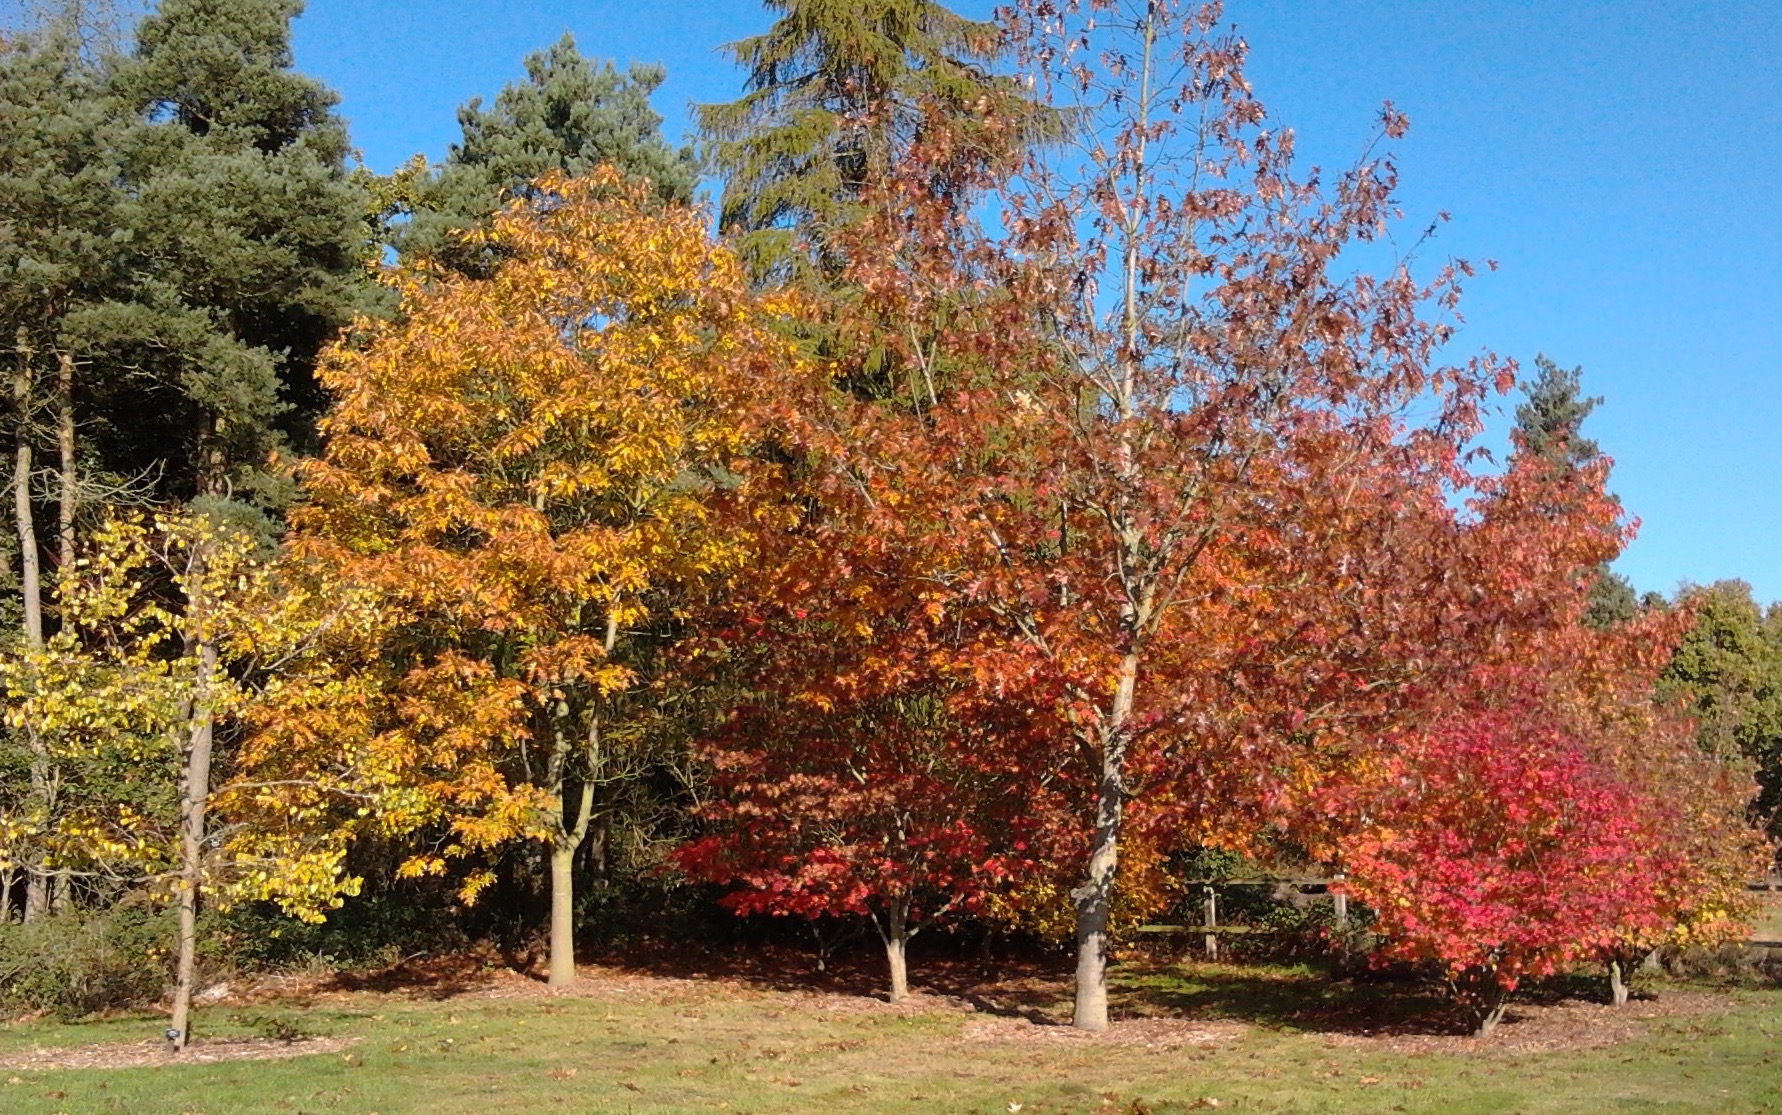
(79, 963)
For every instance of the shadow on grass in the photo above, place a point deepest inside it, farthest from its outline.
(1303, 997)
(1300, 998)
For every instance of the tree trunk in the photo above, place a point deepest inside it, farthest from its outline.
(1489, 1018)
(194, 798)
(562, 913)
(564, 845)
(1094, 896)
(29, 578)
(65, 449)
(37, 880)
(897, 939)
(1617, 982)
(6, 877)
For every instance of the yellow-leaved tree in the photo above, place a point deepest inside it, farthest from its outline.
(523, 467)
(183, 637)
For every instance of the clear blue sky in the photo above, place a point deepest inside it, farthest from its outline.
(1620, 159)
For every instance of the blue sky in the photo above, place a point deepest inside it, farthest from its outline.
(1620, 159)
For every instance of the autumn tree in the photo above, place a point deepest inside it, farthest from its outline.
(1166, 351)
(847, 779)
(1503, 857)
(1728, 669)
(178, 635)
(522, 466)
(1530, 800)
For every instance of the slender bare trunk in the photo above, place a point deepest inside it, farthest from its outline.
(21, 498)
(194, 798)
(65, 449)
(1094, 896)
(30, 581)
(6, 877)
(897, 939)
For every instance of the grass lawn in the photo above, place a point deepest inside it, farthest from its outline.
(1194, 1037)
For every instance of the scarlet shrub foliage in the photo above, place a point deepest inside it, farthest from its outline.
(1504, 853)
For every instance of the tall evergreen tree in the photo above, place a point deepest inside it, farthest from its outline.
(571, 113)
(836, 89)
(250, 240)
(60, 262)
(1550, 426)
(1551, 421)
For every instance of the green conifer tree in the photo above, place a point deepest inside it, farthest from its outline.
(1550, 426)
(250, 238)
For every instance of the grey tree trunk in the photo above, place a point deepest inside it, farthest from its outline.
(37, 893)
(1617, 982)
(1489, 1019)
(69, 492)
(1094, 897)
(897, 939)
(194, 798)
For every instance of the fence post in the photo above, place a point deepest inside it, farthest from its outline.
(1342, 904)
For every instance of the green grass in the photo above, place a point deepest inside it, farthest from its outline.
(711, 1046)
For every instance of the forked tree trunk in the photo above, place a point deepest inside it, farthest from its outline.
(1490, 1017)
(1094, 897)
(564, 844)
(1617, 982)
(194, 798)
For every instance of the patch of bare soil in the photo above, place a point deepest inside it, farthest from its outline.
(140, 1054)
(1545, 1028)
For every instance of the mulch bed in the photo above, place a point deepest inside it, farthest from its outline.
(140, 1054)
(1544, 1028)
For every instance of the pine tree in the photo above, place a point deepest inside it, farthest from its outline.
(836, 89)
(569, 114)
(61, 265)
(1552, 419)
(251, 243)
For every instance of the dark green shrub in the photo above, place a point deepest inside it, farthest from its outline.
(79, 963)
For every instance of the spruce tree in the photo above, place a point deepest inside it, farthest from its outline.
(1550, 426)
(835, 90)
(571, 113)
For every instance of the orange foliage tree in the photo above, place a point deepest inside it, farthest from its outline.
(522, 466)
